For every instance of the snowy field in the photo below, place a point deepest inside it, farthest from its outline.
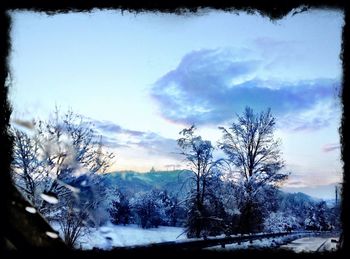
(109, 236)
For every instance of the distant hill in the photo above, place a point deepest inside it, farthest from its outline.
(325, 192)
(297, 196)
(176, 182)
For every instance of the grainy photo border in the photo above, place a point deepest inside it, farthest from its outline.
(273, 10)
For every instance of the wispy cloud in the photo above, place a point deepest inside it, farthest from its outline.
(110, 127)
(24, 123)
(115, 136)
(321, 115)
(111, 142)
(210, 86)
(274, 52)
(296, 184)
(158, 145)
(330, 147)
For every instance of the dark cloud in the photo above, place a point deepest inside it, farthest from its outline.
(189, 92)
(203, 89)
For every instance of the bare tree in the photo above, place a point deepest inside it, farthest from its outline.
(199, 154)
(73, 222)
(47, 163)
(250, 146)
(26, 166)
(69, 145)
(255, 156)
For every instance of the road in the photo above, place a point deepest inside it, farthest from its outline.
(312, 244)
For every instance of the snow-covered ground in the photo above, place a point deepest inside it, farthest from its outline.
(286, 242)
(312, 244)
(256, 244)
(109, 236)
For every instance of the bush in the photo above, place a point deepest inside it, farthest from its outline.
(279, 222)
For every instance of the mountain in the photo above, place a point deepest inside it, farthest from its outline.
(178, 183)
(325, 192)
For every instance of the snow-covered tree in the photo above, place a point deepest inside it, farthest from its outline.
(26, 164)
(156, 207)
(256, 160)
(297, 205)
(165, 204)
(334, 216)
(317, 217)
(279, 221)
(70, 148)
(146, 209)
(47, 163)
(176, 212)
(120, 211)
(199, 155)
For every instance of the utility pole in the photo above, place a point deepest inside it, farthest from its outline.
(336, 195)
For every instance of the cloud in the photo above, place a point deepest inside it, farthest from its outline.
(330, 147)
(320, 115)
(210, 86)
(111, 142)
(314, 124)
(295, 184)
(110, 127)
(269, 44)
(107, 126)
(274, 52)
(24, 123)
(115, 136)
(158, 145)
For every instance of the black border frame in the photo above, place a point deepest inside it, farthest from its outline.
(272, 10)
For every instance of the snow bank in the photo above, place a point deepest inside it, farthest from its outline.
(273, 242)
(109, 236)
(311, 244)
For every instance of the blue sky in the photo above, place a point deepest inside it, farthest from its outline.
(141, 78)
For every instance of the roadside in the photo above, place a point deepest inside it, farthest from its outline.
(312, 244)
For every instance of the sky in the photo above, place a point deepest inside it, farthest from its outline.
(142, 78)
